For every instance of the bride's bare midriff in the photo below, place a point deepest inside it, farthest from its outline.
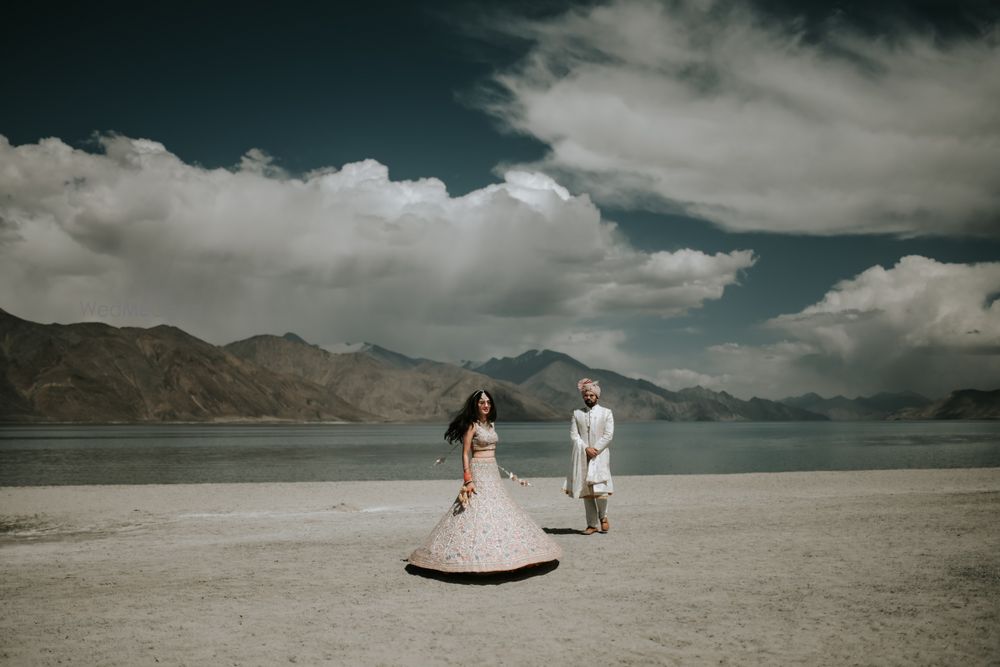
(483, 455)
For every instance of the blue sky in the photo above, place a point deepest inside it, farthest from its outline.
(696, 193)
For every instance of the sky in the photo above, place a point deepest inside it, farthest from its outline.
(767, 198)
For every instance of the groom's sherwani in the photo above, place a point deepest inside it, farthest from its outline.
(592, 427)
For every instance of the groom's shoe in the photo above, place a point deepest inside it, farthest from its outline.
(605, 526)
(590, 530)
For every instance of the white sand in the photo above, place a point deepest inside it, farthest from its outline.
(882, 568)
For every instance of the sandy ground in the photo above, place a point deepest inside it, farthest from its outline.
(880, 568)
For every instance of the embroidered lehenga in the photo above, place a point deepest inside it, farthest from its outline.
(492, 533)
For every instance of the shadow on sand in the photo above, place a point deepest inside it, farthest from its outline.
(485, 578)
(563, 531)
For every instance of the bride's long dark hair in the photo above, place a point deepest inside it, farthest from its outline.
(469, 416)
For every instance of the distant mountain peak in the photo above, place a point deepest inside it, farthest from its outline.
(295, 338)
(809, 397)
(523, 366)
(390, 356)
(840, 407)
(553, 354)
(959, 404)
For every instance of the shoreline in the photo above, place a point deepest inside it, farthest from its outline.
(830, 567)
(268, 421)
(533, 480)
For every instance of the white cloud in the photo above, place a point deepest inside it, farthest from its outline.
(597, 348)
(775, 371)
(685, 277)
(705, 107)
(136, 236)
(918, 304)
(924, 325)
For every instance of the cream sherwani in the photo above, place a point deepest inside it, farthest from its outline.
(592, 427)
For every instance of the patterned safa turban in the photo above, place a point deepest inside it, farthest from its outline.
(586, 384)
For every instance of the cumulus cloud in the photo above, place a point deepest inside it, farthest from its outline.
(137, 236)
(597, 348)
(641, 284)
(918, 304)
(706, 108)
(924, 325)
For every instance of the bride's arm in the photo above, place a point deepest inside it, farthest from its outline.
(466, 450)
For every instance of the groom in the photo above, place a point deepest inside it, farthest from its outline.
(591, 430)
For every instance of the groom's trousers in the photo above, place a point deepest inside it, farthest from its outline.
(597, 509)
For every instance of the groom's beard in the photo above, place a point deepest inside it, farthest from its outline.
(589, 404)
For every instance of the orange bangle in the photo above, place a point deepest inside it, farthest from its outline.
(467, 477)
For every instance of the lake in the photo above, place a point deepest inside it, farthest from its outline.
(188, 453)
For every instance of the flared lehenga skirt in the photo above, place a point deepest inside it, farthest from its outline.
(491, 534)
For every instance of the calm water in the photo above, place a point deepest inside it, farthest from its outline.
(158, 454)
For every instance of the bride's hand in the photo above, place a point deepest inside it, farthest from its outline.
(465, 493)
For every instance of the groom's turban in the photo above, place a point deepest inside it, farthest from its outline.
(586, 384)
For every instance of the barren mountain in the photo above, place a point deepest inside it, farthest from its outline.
(961, 404)
(841, 408)
(389, 384)
(93, 372)
(552, 376)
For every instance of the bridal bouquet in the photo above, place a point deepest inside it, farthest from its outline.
(464, 496)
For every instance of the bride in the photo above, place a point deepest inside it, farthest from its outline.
(485, 530)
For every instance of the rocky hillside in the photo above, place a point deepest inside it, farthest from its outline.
(862, 408)
(962, 404)
(389, 384)
(92, 372)
(552, 376)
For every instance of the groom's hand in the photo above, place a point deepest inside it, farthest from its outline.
(591, 453)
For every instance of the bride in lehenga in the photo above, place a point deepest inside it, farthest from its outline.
(485, 530)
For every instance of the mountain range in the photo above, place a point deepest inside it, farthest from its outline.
(97, 373)
(93, 372)
(862, 408)
(962, 404)
(552, 376)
